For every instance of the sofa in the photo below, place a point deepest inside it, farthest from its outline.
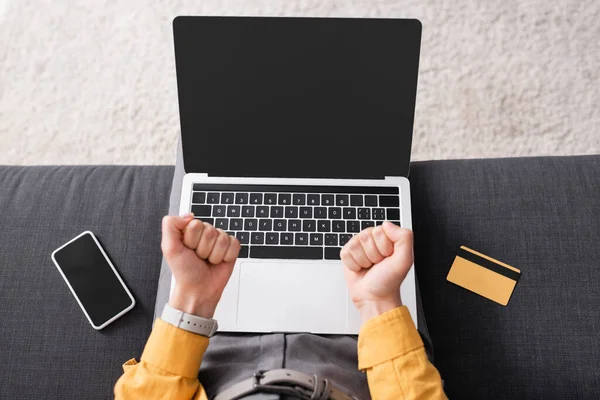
(541, 215)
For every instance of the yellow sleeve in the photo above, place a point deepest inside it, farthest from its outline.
(391, 352)
(168, 368)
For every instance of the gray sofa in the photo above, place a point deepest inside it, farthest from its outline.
(541, 215)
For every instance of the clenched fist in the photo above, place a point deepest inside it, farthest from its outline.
(201, 259)
(377, 261)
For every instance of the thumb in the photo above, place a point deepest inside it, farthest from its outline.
(398, 236)
(172, 227)
(402, 239)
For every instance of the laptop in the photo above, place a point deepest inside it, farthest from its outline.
(296, 135)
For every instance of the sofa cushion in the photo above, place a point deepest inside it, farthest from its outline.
(541, 215)
(47, 347)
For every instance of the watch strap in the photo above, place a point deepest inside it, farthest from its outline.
(189, 322)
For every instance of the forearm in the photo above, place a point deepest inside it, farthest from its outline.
(168, 368)
(391, 352)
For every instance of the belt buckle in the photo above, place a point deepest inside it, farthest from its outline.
(260, 374)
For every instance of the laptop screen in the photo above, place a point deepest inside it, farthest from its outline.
(297, 97)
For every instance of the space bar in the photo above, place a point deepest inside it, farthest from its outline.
(287, 252)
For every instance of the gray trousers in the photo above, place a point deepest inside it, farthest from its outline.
(232, 357)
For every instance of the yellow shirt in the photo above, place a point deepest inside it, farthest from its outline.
(390, 350)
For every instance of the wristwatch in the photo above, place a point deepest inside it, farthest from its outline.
(192, 323)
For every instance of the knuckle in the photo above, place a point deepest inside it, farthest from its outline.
(344, 252)
(353, 245)
(222, 242)
(364, 234)
(195, 224)
(209, 231)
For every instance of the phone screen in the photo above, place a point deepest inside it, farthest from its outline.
(92, 279)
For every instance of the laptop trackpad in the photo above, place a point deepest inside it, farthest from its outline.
(292, 297)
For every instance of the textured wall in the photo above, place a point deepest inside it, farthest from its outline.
(94, 81)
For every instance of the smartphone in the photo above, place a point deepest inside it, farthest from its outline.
(93, 280)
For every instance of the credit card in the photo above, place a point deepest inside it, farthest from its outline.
(484, 275)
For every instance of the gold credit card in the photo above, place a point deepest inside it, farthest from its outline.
(483, 275)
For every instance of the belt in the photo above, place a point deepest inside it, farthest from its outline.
(286, 382)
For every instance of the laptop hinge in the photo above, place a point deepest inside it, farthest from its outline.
(374, 178)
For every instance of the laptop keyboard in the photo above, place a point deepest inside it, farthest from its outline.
(294, 222)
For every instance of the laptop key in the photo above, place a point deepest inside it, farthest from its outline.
(243, 237)
(324, 225)
(287, 252)
(299, 199)
(316, 239)
(352, 226)
(272, 238)
(236, 224)
(338, 226)
(396, 223)
(335, 213)
(291, 212)
(270, 198)
(279, 225)
(199, 197)
(331, 239)
(306, 212)
(265, 225)
(349, 213)
(257, 238)
(342, 200)
(248, 211)
(285, 199)
(233, 211)
(364, 213)
(327, 199)
(379, 213)
(377, 223)
(208, 220)
(241, 198)
(227, 198)
(320, 212)
(309, 225)
(301, 239)
(294, 225)
(213, 198)
(393, 214)
(276, 212)
(344, 238)
(389, 201)
(244, 250)
(356, 200)
(256, 198)
(201, 211)
(371, 201)
(250, 224)
(366, 224)
(219, 211)
(287, 238)
(262, 211)
(332, 253)
(222, 223)
(313, 200)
